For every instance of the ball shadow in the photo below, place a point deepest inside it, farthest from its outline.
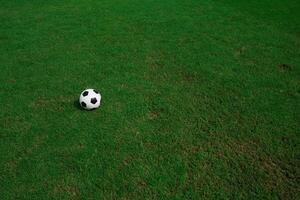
(77, 105)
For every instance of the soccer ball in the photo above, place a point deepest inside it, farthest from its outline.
(90, 99)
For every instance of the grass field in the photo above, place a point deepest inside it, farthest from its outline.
(201, 99)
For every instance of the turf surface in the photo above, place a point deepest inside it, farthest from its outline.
(201, 99)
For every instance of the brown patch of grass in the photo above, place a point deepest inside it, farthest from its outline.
(37, 141)
(188, 77)
(15, 124)
(152, 115)
(76, 147)
(11, 166)
(239, 52)
(141, 184)
(193, 149)
(278, 177)
(127, 160)
(56, 104)
(72, 191)
(11, 81)
(153, 60)
(183, 41)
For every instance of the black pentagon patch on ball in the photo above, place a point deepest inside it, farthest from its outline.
(83, 104)
(85, 93)
(93, 100)
(96, 91)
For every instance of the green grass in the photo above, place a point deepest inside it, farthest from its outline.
(201, 99)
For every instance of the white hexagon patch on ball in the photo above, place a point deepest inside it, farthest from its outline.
(90, 99)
